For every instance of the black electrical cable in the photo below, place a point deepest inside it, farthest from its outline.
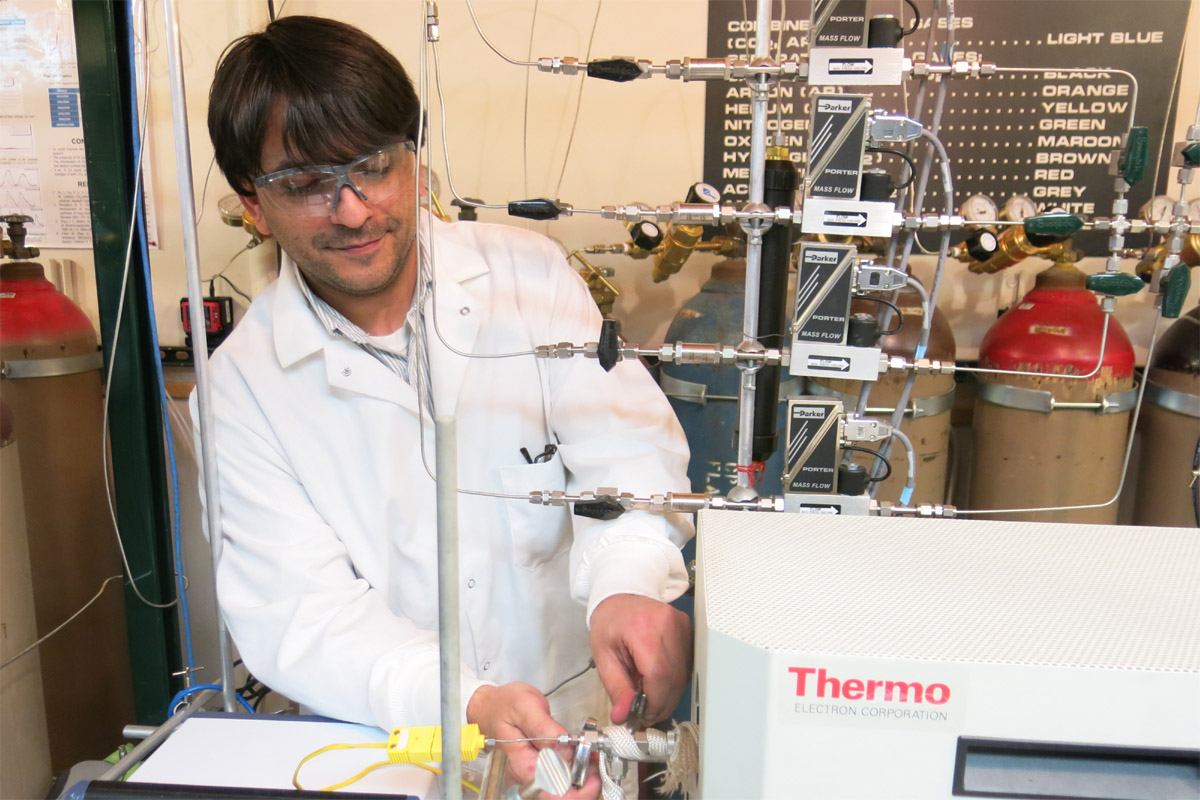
(869, 451)
(271, 9)
(893, 307)
(912, 170)
(916, 18)
(1196, 483)
(232, 285)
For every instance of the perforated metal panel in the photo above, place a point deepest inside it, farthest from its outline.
(955, 590)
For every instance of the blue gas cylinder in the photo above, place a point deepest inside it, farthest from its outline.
(704, 398)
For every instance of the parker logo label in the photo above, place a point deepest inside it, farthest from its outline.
(849, 693)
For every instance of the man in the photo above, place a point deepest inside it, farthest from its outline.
(323, 396)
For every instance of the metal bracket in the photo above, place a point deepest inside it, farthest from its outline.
(1173, 400)
(1043, 402)
(918, 407)
(51, 367)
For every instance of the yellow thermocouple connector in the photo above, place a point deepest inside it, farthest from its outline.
(423, 744)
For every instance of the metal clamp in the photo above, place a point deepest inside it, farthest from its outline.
(918, 407)
(51, 367)
(1043, 402)
(1173, 400)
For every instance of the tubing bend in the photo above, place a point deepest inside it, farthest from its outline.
(780, 181)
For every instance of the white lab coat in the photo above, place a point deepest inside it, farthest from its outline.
(328, 577)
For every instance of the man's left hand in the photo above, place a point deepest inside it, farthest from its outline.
(636, 637)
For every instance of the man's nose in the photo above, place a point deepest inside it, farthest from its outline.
(351, 211)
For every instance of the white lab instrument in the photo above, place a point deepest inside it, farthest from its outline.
(860, 657)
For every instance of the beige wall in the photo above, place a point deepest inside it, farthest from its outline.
(634, 142)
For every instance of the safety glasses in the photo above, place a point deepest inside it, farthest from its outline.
(316, 191)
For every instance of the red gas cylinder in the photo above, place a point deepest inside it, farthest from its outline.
(50, 379)
(1053, 441)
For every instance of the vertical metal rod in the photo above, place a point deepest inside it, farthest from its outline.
(191, 259)
(448, 626)
(758, 160)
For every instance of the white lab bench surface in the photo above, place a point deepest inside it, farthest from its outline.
(261, 752)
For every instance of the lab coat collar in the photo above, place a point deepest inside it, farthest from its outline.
(298, 333)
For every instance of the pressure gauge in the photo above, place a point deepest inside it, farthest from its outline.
(1018, 208)
(1193, 214)
(979, 208)
(1160, 208)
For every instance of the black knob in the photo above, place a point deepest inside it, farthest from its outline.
(853, 478)
(863, 330)
(884, 31)
(981, 245)
(876, 186)
(646, 236)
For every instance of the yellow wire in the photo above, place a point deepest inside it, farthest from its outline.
(357, 777)
(365, 772)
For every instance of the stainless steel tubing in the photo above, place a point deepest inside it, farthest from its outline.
(758, 159)
(191, 257)
(147, 745)
(448, 627)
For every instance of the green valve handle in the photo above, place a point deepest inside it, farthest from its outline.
(1191, 154)
(1174, 289)
(1117, 284)
(1132, 165)
(1047, 229)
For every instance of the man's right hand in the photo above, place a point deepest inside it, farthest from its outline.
(520, 711)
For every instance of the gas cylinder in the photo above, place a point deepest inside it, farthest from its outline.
(1031, 450)
(1170, 428)
(24, 747)
(927, 420)
(51, 381)
(706, 399)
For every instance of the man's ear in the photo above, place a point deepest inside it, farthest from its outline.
(254, 207)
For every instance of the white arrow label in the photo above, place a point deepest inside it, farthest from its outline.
(839, 218)
(858, 67)
(840, 364)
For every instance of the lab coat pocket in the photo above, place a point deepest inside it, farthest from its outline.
(538, 532)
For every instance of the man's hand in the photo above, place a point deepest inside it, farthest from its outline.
(636, 637)
(519, 711)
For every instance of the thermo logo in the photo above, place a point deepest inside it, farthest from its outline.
(858, 689)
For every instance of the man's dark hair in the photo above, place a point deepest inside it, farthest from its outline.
(341, 93)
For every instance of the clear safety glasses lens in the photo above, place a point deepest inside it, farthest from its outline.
(317, 191)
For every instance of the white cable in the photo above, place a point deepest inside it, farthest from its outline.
(437, 70)
(492, 47)
(63, 624)
(116, 334)
(1137, 410)
(426, 285)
